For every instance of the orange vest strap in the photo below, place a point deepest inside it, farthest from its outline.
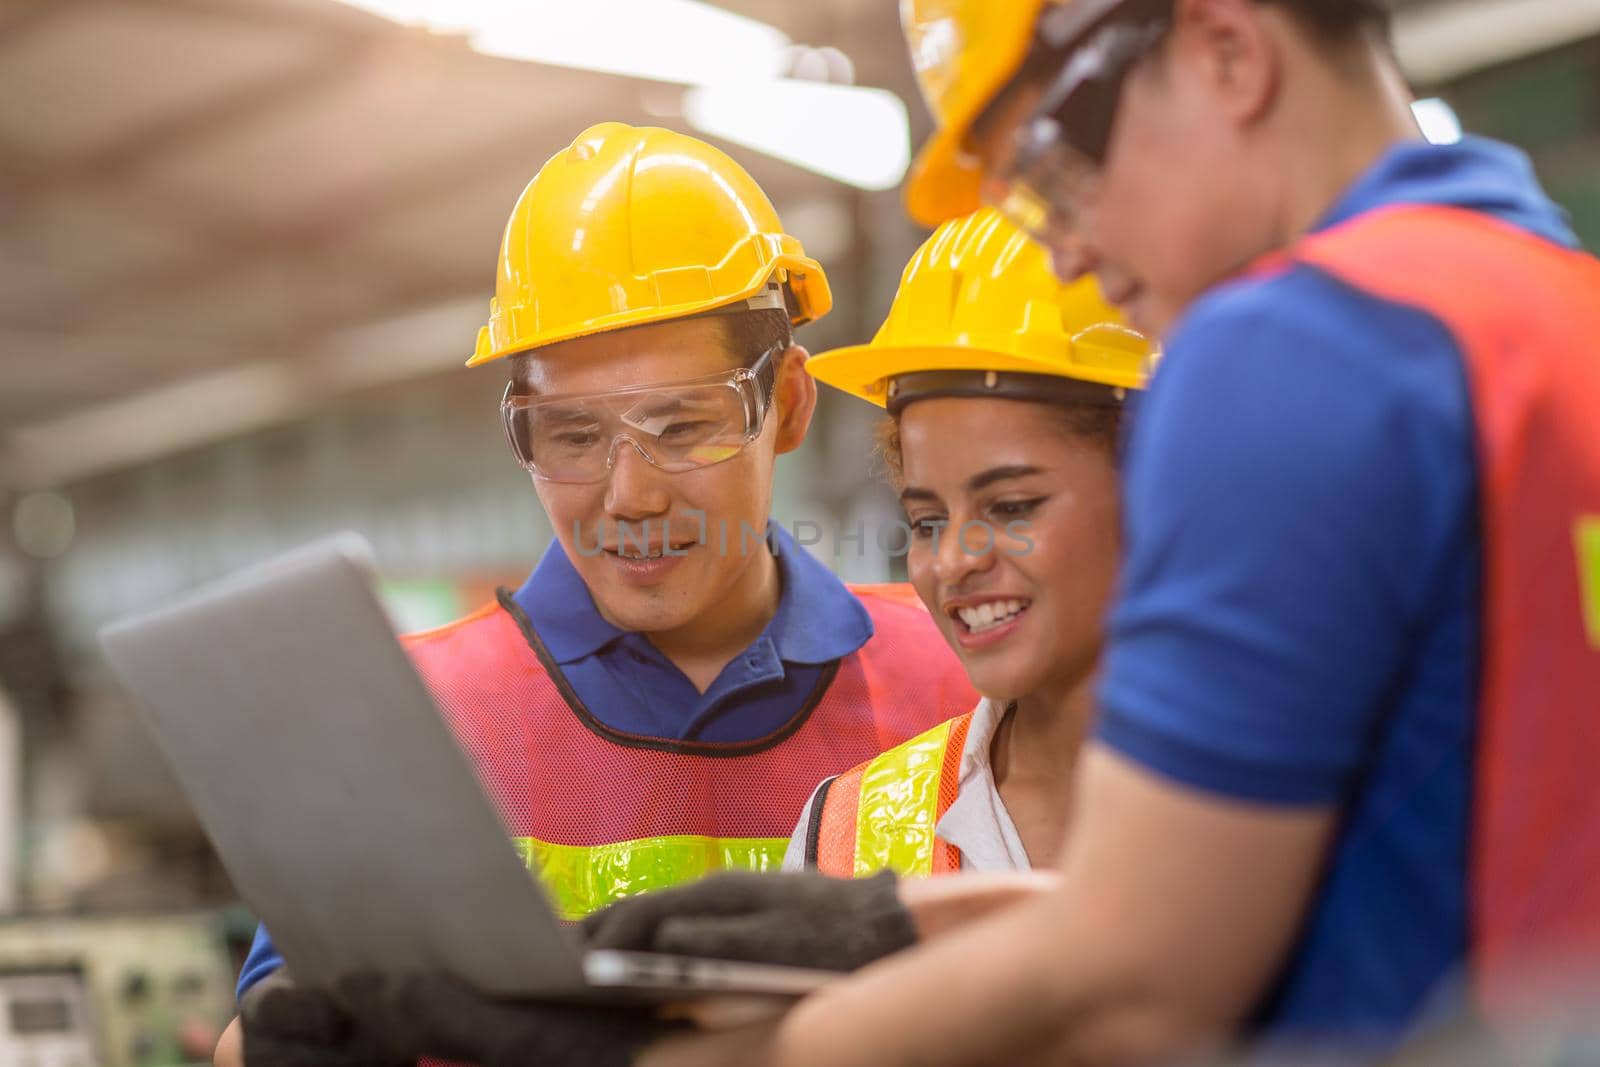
(1525, 314)
(835, 826)
(904, 811)
(946, 857)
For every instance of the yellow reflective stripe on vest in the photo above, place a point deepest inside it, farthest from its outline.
(1588, 537)
(900, 806)
(581, 879)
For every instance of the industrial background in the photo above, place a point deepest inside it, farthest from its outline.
(245, 246)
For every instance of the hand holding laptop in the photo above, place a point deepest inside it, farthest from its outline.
(372, 1020)
(376, 1020)
(798, 919)
(289, 1026)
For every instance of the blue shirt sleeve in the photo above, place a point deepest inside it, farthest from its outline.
(261, 961)
(1292, 481)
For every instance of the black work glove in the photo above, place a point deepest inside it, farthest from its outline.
(801, 919)
(289, 1026)
(434, 1015)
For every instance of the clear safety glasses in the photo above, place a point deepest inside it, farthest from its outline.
(1062, 147)
(678, 427)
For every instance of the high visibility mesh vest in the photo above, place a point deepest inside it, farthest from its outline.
(1525, 314)
(884, 813)
(607, 814)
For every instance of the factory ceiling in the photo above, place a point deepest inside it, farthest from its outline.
(217, 214)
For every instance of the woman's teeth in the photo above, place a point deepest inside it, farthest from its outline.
(988, 616)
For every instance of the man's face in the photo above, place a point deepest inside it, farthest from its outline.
(1172, 211)
(659, 550)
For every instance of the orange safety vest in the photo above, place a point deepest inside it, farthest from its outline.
(883, 814)
(607, 814)
(1525, 314)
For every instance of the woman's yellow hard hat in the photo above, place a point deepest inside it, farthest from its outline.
(635, 225)
(980, 296)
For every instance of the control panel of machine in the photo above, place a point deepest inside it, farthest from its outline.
(112, 991)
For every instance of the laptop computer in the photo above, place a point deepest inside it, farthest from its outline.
(341, 805)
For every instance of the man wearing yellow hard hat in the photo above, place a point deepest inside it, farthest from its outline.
(662, 694)
(1346, 731)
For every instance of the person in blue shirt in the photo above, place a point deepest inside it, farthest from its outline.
(1290, 825)
(660, 697)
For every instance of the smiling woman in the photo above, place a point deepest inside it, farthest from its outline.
(1004, 391)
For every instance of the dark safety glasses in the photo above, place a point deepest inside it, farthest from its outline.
(1061, 148)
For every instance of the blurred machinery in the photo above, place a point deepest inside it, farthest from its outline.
(113, 991)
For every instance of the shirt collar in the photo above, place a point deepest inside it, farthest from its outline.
(1476, 174)
(986, 720)
(977, 822)
(818, 619)
(562, 612)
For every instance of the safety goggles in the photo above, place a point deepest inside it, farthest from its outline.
(1062, 147)
(679, 427)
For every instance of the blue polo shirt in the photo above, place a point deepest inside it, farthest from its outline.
(627, 683)
(630, 686)
(1300, 615)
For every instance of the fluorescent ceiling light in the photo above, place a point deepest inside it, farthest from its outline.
(854, 135)
(683, 41)
(857, 136)
(1438, 120)
(192, 411)
(1437, 42)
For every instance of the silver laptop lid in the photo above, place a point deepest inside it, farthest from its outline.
(333, 791)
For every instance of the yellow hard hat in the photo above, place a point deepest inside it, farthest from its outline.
(980, 296)
(965, 52)
(633, 225)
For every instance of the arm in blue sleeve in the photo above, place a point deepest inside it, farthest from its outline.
(261, 961)
(1293, 474)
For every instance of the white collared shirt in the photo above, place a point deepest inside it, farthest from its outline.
(976, 822)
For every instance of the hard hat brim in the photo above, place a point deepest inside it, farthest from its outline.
(864, 370)
(945, 181)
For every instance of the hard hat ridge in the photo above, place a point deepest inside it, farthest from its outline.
(630, 226)
(980, 297)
